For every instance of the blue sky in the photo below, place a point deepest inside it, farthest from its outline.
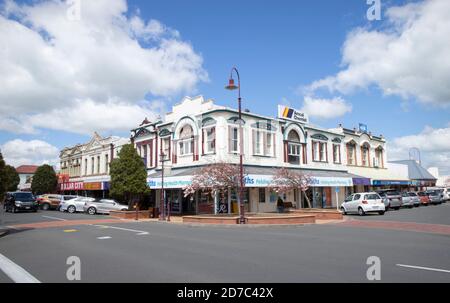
(279, 48)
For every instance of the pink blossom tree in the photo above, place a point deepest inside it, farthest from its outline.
(214, 178)
(286, 180)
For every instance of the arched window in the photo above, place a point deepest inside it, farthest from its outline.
(294, 147)
(351, 153)
(186, 143)
(379, 162)
(365, 154)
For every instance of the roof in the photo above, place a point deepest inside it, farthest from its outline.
(415, 170)
(26, 169)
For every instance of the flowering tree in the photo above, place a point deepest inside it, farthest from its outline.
(286, 180)
(214, 178)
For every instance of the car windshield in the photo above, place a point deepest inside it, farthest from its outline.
(422, 194)
(412, 194)
(25, 197)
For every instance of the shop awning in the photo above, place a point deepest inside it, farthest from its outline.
(257, 176)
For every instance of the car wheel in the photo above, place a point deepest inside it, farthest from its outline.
(45, 206)
(92, 211)
(381, 213)
(71, 209)
(343, 211)
(361, 212)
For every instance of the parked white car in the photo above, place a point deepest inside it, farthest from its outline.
(362, 203)
(103, 206)
(74, 205)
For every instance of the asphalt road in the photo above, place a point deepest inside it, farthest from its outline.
(180, 253)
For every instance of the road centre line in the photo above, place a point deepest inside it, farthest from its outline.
(103, 238)
(15, 272)
(138, 232)
(424, 268)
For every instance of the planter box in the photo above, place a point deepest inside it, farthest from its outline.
(130, 215)
(320, 214)
(276, 219)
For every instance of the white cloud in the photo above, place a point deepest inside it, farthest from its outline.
(433, 143)
(49, 63)
(36, 152)
(409, 58)
(326, 108)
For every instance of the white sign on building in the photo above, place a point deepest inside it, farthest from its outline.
(287, 113)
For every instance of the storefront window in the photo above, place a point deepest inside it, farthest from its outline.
(262, 195)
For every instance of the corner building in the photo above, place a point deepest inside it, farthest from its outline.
(198, 132)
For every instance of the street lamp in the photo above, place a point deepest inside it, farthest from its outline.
(232, 86)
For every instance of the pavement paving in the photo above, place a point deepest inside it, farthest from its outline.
(162, 253)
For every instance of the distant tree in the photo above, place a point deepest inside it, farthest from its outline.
(2, 178)
(128, 176)
(11, 178)
(286, 180)
(44, 180)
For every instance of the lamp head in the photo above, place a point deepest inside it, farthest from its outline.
(231, 85)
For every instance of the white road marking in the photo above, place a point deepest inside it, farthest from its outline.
(15, 272)
(138, 232)
(103, 238)
(54, 218)
(424, 268)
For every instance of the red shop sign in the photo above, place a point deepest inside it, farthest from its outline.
(72, 186)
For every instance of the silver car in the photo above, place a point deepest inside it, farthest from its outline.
(410, 199)
(103, 206)
(391, 198)
(74, 205)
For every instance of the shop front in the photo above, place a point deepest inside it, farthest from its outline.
(86, 189)
(326, 190)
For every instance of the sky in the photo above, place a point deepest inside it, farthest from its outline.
(66, 72)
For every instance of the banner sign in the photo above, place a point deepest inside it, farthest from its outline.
(69, 186)
(250, 181)
(291, 114)
(93, 186)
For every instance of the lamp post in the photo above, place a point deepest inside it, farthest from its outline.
(232, 86)
(162, 208)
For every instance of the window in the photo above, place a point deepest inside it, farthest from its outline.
(166, 147)
(258, 142)
(186, 147)
(365, 155)
(294, 147)
(356, 197)
(234, 139)
(98, 164)
(210, 140)
(92, 165)
(378, 157)
(269, 145)
(85, 166)
(351, 151)
(186, 141)
(319, 151)
(262, 195)
(336, 153)
(106, 164)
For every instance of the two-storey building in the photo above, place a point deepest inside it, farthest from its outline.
(198, 132)
(85, 167)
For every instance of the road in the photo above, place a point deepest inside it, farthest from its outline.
(164, 252)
